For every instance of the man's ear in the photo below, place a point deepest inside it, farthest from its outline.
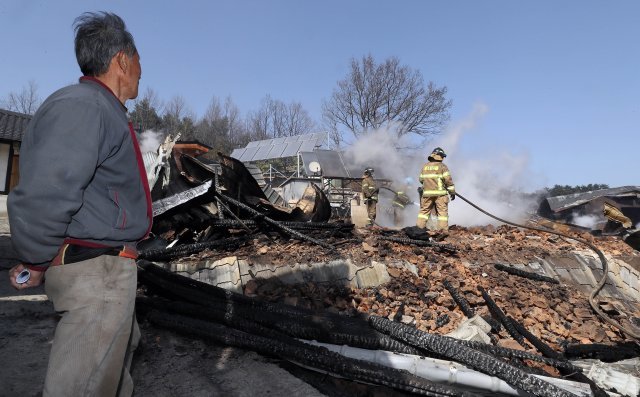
(123, 61)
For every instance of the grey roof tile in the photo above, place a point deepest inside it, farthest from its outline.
(13, 125)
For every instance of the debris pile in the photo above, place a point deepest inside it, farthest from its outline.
(510, 279)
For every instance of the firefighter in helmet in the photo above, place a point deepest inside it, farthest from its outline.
(400, 200)
(437, 187)
(370, 193)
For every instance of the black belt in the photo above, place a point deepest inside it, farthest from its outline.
(72, 253)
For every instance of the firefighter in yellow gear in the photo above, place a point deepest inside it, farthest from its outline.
(400, 201)
(437, 187)
(370, 193)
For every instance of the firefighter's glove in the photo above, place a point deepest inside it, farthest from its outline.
(420, 190)
(453, 196)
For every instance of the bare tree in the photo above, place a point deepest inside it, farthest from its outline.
(387, 94)
(178, 117)
(26, 101)
(276, 119)
(221, 126)
(146, 109)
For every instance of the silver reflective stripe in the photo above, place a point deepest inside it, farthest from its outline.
(429, 193)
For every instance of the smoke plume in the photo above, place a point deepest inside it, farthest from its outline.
(496, 182)
(150, 141)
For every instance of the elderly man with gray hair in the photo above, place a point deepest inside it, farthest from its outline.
(81, 206)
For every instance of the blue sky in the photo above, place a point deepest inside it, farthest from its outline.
(558, 80)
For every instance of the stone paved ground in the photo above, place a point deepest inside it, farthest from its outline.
(7, 254)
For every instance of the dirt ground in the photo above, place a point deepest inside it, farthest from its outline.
(164, 365)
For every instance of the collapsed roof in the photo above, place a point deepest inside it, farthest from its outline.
(285, 273)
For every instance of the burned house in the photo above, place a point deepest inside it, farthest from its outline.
(569, 207)
(517, 311)
(12, 127)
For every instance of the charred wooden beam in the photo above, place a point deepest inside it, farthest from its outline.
(454, 350)
(421, 243)
(525, 274)
(308, 355)
(229, 223)
(505, 352)
(189, 249)
(270, 221)
(499, 315)
(459, 299)
(294, 321)
(549, 352)
(606, 353)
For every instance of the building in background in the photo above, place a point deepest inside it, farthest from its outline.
(12, 127)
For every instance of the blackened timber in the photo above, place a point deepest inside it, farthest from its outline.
(459, 299)
(549, 352)
(189, 249)
(238, 221)
(606, 353)
(270, 221)
(311, 356)
(453, 350)
(421, 243)
(499, 315)
(525, 274)
(294, 321)
(505, 352)
(229, 223)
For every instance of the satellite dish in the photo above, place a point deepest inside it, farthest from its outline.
(314, 167)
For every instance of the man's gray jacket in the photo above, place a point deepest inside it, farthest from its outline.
(81, 176)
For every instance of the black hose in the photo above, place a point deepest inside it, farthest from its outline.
(603, 260)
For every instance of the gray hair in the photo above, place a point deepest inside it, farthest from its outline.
(100, 36)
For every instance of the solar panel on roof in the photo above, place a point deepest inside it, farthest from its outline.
(292, 149)
(248, 154)
(237, 153)
(307, 146)
(279, 147)
(262, 153)
(277, 150)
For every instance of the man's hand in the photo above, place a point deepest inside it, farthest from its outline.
(34, 280)
(420, 191)
(453, 196)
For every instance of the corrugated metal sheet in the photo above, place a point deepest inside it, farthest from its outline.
(561, 203)
(272, 195)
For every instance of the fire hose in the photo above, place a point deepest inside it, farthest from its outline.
(603, 260)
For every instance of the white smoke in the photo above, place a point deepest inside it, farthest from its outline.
(589, 221)
(495, 182)
(150, 141)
